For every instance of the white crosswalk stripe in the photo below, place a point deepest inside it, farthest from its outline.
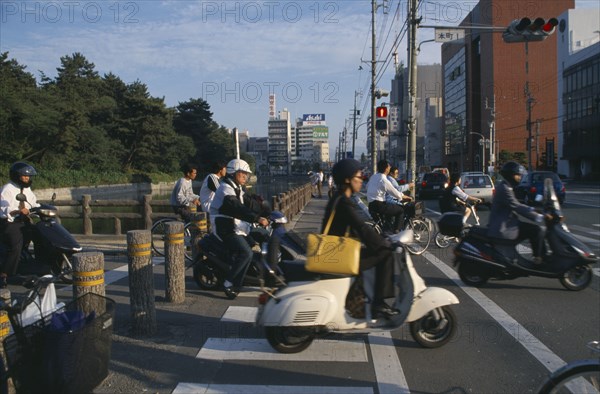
(199, 388)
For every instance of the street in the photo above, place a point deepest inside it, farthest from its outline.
(511, 335)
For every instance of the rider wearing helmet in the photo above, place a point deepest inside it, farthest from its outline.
(504, 223)
(15, 229)
(348, 216)
(231, 221)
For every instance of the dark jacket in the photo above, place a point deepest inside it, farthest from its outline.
(350, 217)
(504, 223)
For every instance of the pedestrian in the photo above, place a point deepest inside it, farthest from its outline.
(211, 184)
(183, 199)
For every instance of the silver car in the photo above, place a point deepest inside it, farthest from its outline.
(478, 184)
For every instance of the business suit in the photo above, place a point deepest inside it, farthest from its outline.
(505, 224)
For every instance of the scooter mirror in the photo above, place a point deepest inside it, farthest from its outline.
(539, 198)
(21, 197)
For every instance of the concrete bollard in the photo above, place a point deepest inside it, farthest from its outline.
(88, 274)
(174, 262)
(141, 282)
(198, 230)
(4, 322)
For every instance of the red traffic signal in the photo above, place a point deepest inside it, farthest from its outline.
(381, 112)
(521, 30)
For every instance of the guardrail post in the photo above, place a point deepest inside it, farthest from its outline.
(86, 210)
(174, 262)
(141, 282)
(117, 226)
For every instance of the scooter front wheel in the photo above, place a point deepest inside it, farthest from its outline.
(577, 278)
(435, 329)
(289, 339)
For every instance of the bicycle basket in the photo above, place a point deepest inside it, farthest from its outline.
(451, 224)
(72, 358)
(418, 208)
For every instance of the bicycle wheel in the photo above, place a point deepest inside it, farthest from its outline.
(422, 236)
(442, 241)
(579, 377)
(158, 236)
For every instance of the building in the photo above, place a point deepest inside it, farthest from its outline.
(279, 130)
(310, 146)
(429, 85)
(491, 87)
(578, 47)
(433, 139)
(259, 148)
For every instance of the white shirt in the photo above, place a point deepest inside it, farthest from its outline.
(378, 186)
(9, 202)
(208, 190)
(183, 194)
(459, 193)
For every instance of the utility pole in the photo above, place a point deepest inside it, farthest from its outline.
(354, 126)
(373, 64)
(412, 90)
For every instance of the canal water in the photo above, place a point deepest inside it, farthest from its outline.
(267, 188)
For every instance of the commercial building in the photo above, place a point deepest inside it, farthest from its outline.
(491, 88)
(279, 130)
(578, 94)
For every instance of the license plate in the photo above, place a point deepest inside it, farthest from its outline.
(436, 187)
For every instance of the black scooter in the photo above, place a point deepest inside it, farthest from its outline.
(277, 249)
(54, 248)
(480, 258)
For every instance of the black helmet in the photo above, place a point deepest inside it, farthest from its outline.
(18, 169)
(344, 169)
(510, 169)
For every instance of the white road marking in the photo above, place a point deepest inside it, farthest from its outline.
(240, 314)
(259, 349)
(388, 371)
(533, 345)
(205, 388)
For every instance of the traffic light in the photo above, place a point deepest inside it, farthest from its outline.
(522, 30)
(381, 119)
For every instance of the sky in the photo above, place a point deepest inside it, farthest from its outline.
(233, 54)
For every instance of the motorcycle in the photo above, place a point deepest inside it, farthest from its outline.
(54, 247)
(294, 315)
(480, 258)
(213, 261)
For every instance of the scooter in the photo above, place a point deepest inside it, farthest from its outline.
(213, 261)
(294, 315)
(54, 248)
(480, 258)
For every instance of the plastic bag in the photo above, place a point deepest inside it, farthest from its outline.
(34, 311)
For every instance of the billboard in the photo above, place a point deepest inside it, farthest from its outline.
(320, 132)
(313, 119)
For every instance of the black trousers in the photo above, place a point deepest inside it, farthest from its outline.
(535, 234)
(384, 209)
(15, 235)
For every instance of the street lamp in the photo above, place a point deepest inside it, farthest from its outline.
(482, 141)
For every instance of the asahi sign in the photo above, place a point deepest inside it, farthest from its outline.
(313, 119)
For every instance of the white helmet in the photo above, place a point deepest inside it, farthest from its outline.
(236, 165)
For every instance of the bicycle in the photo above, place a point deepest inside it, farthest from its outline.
(66, 350)
(158, 232)
(443, 241)
(581, 376)
(413, 221)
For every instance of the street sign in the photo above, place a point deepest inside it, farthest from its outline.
(447, 35)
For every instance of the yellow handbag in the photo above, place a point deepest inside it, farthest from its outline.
(331, 254)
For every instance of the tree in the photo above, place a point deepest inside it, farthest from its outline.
(212, 142)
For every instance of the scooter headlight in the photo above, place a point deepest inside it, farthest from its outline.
(47, 212)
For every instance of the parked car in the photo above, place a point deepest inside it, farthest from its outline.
(432, 185)
(478, 184)
(533, 183)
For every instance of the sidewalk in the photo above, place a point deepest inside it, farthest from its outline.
(158, 363)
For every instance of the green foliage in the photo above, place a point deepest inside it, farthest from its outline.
(81, 128)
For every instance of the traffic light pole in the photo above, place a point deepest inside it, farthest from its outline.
(373, 64)
(529, 107)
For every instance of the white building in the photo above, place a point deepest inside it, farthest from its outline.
(280, 148)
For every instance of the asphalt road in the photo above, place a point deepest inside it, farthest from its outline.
(511, 335)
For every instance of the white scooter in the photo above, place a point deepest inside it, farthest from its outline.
(297, 313)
